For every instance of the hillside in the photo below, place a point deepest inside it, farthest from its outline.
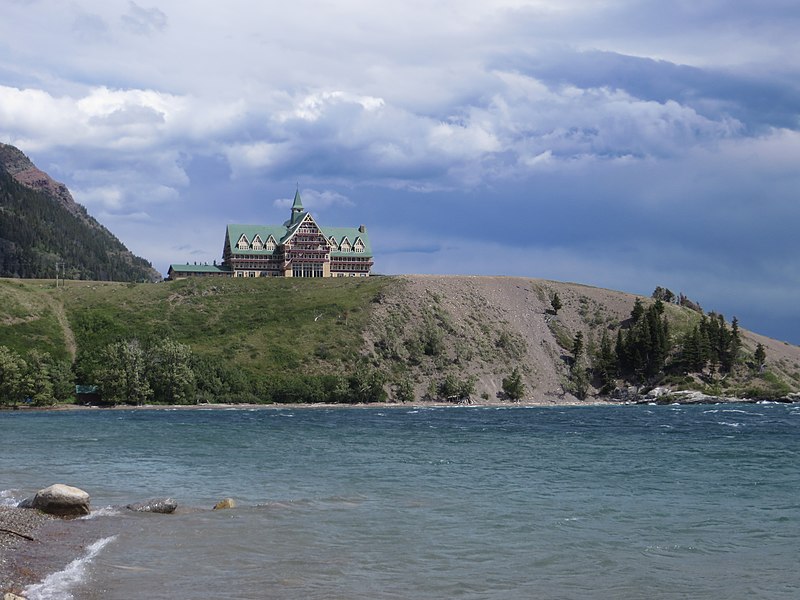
(266, 339)
(41, 225)
(489, 325)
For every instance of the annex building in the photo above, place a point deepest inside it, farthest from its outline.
(298, 248)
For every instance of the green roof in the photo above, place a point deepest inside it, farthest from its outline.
(352, 234)
(280, 233)
(297, 204)
(198, 269)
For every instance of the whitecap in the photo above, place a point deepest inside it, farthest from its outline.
(56, 586)
(7, 498)
(725, 423)
(106, 511)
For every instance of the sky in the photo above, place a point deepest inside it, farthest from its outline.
(625, 144)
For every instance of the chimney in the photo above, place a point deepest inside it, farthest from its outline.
(362, 229)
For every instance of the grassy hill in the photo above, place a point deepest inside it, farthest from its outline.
(416, 331)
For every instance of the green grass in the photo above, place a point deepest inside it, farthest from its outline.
(27, 319)
(260, 326)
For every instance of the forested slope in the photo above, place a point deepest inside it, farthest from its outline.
(41, 226)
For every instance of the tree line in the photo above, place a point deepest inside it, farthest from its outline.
(644, 350)
(168, 372)
(34, 378)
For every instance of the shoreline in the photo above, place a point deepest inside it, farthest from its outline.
(51, 545)
(697, 398)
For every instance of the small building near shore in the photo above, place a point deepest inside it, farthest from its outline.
(298, 248)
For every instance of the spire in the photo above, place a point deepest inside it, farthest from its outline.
(297, 208)
(297, 205)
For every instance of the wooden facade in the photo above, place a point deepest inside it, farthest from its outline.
(298, 248)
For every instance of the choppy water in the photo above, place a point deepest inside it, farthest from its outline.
(628, 502)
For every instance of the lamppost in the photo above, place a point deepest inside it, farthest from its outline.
(63, 272)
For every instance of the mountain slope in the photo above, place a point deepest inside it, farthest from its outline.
(427, 327)
(42, 225)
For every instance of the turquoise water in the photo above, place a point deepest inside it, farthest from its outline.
(617, 502)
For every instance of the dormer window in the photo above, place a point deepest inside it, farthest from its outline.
(345, 247)
(333, 243)
(358, 246)
(270, 245)
(257, 244)
(243, 244)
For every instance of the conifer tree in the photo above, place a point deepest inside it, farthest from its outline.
(760, 356)
(513, 386)
(555, 302)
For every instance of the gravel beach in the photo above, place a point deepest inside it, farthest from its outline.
(56, 542)
(24, 523)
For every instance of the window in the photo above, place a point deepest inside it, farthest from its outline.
(243, 244)
(270, 245)
(359, 246)
(345, 247)
(257, 244)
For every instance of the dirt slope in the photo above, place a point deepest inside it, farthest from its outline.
(489, 325)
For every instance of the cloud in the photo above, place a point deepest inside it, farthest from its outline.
(314, 200)
(628, 143)
(143, 21)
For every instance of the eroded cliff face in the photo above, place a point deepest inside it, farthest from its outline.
(429, 326)
(20, 167)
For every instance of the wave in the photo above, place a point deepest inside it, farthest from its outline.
(106, 511)
(8, 498)
(56, 586)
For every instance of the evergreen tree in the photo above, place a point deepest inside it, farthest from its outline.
(577, 347)
(555, 302)
(606, 364)
(643, 349)
(760, 356)
(637, 311)
(513, 386)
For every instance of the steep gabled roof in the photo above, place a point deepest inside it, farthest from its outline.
(352, 234)
(251, 231)
(293, 229)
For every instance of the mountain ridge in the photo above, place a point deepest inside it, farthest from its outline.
(42, 225)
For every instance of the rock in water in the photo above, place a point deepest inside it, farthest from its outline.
(155, 505)
(60, 500)
(226, 503)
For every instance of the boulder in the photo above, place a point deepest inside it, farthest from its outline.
(60, 500)
(11, 596)
(226, 503)
(164, 506)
